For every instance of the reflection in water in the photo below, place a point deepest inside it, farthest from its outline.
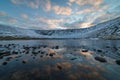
(60, 60)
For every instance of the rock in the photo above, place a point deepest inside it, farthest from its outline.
(34, 52)
(107, 46)
(57, 47)
(24, 61)
(59, 67)
(41, 56)
(4, 63)
(15, 52)
(73, 58)
(51, 54)
(118, 62)
(8, 59)
(100, 59)
(84, 50)
(99, 50)
(42, 52)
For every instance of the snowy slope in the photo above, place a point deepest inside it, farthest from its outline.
(107, 30)
(16, 32)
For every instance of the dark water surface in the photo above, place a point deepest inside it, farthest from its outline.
(60, 59)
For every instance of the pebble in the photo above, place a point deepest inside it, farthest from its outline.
(4, 63)
(84, 50)
(100, 59)
(118, 62)
(24, 61)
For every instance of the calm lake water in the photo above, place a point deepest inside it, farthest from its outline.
(67, 59)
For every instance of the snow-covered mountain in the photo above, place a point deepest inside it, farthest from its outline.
(106, 30)
(16, 32)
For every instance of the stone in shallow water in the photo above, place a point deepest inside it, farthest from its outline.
(4, 63)
(51, 54)
(73, 58)
(99, 50)
(118, 62)
(59, 67)
(57, 47)
(84, 50)
(24, 61)
(100, 59)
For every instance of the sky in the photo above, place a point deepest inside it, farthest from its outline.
(57, 14)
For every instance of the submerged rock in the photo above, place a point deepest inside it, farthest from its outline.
(118, 62)
(99, 50)
(100, 59)
(5, 63)
(24, 61)
(73, 58)
(59, 67)
(57, 47)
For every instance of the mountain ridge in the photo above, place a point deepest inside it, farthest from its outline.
(106, 30)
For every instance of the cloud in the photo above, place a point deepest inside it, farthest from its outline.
(78, 24)
(24, 16)
(3, 13)
(92, 9)
(12, 20)
(32, 3)
(60, 10)
(35, 4)
(47, 5)
(83, 2)
(50, 23)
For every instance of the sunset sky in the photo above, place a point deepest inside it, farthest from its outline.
(57, 14)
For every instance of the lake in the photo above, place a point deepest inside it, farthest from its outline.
(68, 59)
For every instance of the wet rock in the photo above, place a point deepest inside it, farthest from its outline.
(15, 52)
(27, 52)
(73, 58)
(24, 61)
(100, 59)
(4, 63)
(118, 62)
(59, 67)
(44, 46)
(99, 50)
(42, 52)
(41, 55)
(35, 52)
(107, 46)
(51, 54)
(57, 47)
(8, 59)
(84, 50)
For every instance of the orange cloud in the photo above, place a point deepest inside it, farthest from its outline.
(48, 6)
(62, 10)
(83, 2)
(25, 16)
(51, 23)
